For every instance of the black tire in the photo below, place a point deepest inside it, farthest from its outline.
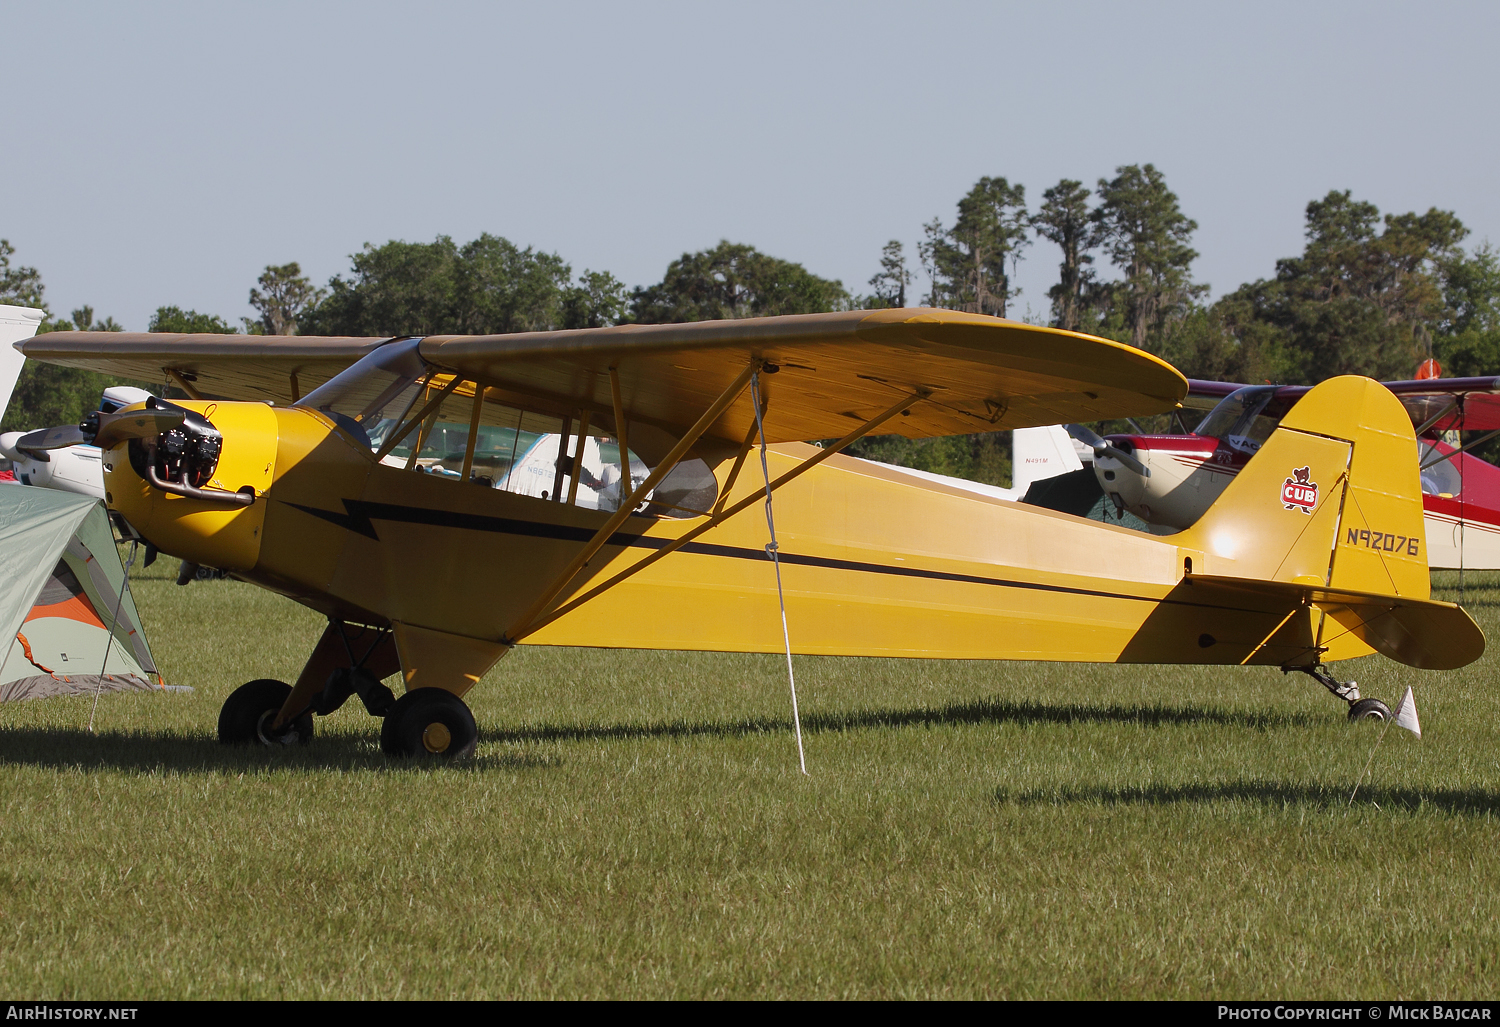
(429, 723)
(1369, 709)
(248, 712)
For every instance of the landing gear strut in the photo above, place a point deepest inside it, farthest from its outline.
(1359, 709)
(426, 722)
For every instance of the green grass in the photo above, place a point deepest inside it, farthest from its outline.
(634, 826)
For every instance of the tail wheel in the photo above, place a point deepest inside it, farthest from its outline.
(1369, 709)
(430, 723)
(250, 710)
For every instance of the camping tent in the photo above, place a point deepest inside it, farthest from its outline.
(61, 583)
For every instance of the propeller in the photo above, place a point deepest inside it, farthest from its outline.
(1103, 447)
(103, 430)
(136, 424)
(43, 439)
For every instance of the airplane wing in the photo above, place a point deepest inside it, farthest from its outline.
(1469, 403)
(832, 371)
(1205, 395)
(1478, 402)
(249, 367)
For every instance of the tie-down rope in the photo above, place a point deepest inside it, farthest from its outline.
(772, 549)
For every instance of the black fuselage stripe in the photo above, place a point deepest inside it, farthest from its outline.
(362, 513)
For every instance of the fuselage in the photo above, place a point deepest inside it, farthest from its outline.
(876, 561)
(74, 469)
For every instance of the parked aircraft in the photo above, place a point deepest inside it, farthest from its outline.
(317, 495)
(1170, 481)
(74, 468)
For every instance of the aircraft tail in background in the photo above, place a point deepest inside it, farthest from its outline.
(1038, 454)
(16, 323)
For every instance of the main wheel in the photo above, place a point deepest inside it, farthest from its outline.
(1369, 709)
(249, 711)
(429, 722)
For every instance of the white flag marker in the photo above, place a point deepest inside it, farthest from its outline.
(1406, 713)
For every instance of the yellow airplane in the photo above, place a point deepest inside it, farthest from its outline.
(370, 480)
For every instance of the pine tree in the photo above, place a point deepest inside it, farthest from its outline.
(1146, 236)
(1065, 220)
(890, 284)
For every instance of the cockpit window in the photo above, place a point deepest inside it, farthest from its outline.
(1242, 418)
(414, 416)
(369, 398)
(1439, 477)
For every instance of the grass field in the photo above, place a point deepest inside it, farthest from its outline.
(634, 826)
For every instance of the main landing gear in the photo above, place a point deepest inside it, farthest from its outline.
(425, 722)
(1359, 709)
(429, 722)
(250, 711)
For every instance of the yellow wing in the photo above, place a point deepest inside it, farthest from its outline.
(278, 368)
(832, 371)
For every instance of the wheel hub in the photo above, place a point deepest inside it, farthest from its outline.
(436, 737)
(263, 731)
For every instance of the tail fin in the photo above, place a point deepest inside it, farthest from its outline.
(1331, 499)
(16, 323)
(1038, 454)
(1326, 520)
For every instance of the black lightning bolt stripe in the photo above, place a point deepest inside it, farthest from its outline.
(359, 515)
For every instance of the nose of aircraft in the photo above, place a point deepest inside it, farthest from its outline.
(187, 476)
(1122, 466)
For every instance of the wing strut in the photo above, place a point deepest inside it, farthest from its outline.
(583, 436)
(717, 519)
(524, 624)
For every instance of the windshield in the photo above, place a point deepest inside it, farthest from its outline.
(371, 397)
(1441, 478)
(1240, 418)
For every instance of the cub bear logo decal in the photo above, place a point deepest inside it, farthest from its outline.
(1298, 493)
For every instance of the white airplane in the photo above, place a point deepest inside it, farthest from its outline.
(74, 469)
(1036, 455)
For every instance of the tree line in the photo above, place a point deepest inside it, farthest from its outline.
(1369, 294)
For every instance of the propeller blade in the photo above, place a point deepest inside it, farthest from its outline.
(135, 424)
(1125, 458)
(53, 438)
(1103, 447)
(1086, 436)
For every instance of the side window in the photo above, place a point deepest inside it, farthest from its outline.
(1441, 479)
(539, 454)
(688, 491)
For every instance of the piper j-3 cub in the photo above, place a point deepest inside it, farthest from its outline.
(369, 479)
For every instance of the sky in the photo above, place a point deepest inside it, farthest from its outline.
(165, 153)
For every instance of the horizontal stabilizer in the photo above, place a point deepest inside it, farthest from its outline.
(1422, 633)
